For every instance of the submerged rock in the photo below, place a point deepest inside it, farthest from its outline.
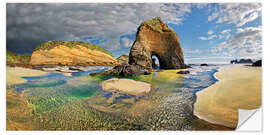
(183, 72)
(128, 86)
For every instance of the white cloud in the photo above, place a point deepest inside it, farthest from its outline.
(191, 51)
(208, 38)
(210, 32)
(245, 42)
(236, 13)
(126, 42)
(225, 31)
(203, 38)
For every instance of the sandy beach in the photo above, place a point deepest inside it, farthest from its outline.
(14, 74)
(239, 87)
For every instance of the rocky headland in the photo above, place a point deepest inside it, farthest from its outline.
(241, 61)
(257, 63)
(18, 60)
(71, 53)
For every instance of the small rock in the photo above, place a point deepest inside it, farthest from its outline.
(183, 72)
(204, 64)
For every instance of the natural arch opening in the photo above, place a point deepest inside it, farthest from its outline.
(155, 62)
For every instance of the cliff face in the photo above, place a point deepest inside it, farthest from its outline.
(123, 59)
(71, 53)
(154, 37)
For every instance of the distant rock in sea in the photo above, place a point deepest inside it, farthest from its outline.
(258, 63)
(241, 61)
(204, 64)
(71, 53)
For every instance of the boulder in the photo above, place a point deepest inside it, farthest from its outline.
(183, 72)
(127, 86)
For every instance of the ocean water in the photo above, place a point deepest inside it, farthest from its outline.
(55, 95)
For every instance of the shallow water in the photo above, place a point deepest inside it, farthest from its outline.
(77, 102)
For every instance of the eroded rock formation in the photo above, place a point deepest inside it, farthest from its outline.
(122, 60)
(70, 53)
(154, 37)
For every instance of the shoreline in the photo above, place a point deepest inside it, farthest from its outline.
(219, 103)
(198, 123)
(14, 74)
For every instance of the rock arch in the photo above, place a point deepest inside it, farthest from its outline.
(155, 37)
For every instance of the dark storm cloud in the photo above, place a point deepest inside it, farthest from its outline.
(31, 24)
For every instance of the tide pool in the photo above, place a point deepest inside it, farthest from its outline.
(73, 102)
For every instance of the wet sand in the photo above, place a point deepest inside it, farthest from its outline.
(14, 74)
(239, 87)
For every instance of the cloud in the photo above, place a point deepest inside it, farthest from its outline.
(31, 24)
(225, 31)
(210, 32)
(126, 42)
(238, 14)
(203, 38)
(208, 38)
(191, 51)
(245, 42)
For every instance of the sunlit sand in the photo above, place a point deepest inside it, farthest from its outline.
(15, 74)
(239, 87)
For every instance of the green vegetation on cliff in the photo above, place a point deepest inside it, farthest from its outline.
(156, 24)
(17, 58)
(51, 44)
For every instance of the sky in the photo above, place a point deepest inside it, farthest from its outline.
(208, 32)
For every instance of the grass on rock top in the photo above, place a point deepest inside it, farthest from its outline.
(16, 58)
(71, 44)
(155, 25)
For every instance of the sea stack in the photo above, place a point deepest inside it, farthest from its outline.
(154, 37)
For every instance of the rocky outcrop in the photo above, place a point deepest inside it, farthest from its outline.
(71, 53)
(122, 60)
(154, 37)
(241, 61)
(125, 70)
(128, 86)
(258, 63)
(183, 72)
(18, 60)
